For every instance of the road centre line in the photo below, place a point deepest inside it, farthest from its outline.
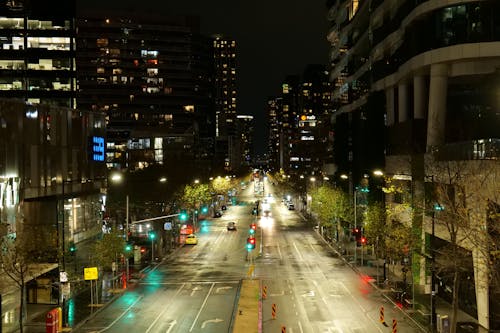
(201, 308)
(164, 309)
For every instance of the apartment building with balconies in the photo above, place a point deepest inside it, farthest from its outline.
(432, 69)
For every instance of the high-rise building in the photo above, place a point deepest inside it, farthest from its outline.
(152, 76)
(300, 141)
(37, 51)
(224, 52)
(412, 105)
(245, 131)
(273, 148)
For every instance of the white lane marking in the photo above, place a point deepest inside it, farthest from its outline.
(195, 289)
(279, 251)
(171, 325)
(165, 310)
(201, 307)
(120, 316)
(300, 327)
(298, 252)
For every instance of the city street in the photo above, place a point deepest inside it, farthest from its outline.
(196, 290)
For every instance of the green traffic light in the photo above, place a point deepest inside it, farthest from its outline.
(152, 235)
(128, 247)
(183, 216)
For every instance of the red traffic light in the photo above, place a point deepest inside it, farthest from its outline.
(250, 243)
(363, 240)
(253, 226)
(143, 249)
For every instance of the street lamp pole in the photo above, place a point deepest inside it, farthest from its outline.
(355, 227)
(126, 236)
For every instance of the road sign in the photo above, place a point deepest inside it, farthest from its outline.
(90, 273)
(63, 276)
(167, 226)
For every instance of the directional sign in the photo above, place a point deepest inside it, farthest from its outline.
(167, 226)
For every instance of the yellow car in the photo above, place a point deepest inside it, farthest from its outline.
(191, 240)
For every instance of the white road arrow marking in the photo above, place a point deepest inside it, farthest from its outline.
(195, 289)
(216, 320)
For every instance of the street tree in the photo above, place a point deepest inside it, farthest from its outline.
(21, 251)
(109, 249)
(221, 185)
(195, 195)
(332, 207)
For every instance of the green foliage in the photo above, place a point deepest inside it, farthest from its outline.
(222, 185)
(376, 227)
(330, 204)
(195, 195)
(109, 249)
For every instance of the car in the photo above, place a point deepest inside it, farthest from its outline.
(291, 207)
(217, 214)
(191, 240)
(267, 213)
(223, 207)
(231, 226)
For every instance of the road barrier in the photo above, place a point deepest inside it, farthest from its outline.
(264, 292)
(394, 326)
(283, 329)
(273, 313)
(382, 320)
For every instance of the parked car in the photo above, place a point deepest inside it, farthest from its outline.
(223, 207)
(191, 240)
(291, 207)
(231, 226)
(217, 214)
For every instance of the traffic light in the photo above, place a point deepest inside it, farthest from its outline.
(128, 247)
(204, 209)
(183, 215)
(253, 226)
(152, 235)
(363, 240)
(72, 248)
(250, 243)
(143, 249)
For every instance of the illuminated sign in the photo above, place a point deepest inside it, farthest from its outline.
(307, 138)
(97, 148)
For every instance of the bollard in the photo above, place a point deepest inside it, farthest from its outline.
(264, 292)
(394, 326)
(382, 320)
(273, 311)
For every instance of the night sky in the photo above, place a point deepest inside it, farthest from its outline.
(274, 38)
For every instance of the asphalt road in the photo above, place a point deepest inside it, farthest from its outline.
(196, 290)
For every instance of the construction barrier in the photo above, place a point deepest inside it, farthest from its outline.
(283, 329)
(264, 292)
(382, 319)
(394, 326)
(273, 311)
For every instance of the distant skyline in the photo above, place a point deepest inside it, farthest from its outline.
(274, 39)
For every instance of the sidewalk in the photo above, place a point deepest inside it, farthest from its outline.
(416, 309)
